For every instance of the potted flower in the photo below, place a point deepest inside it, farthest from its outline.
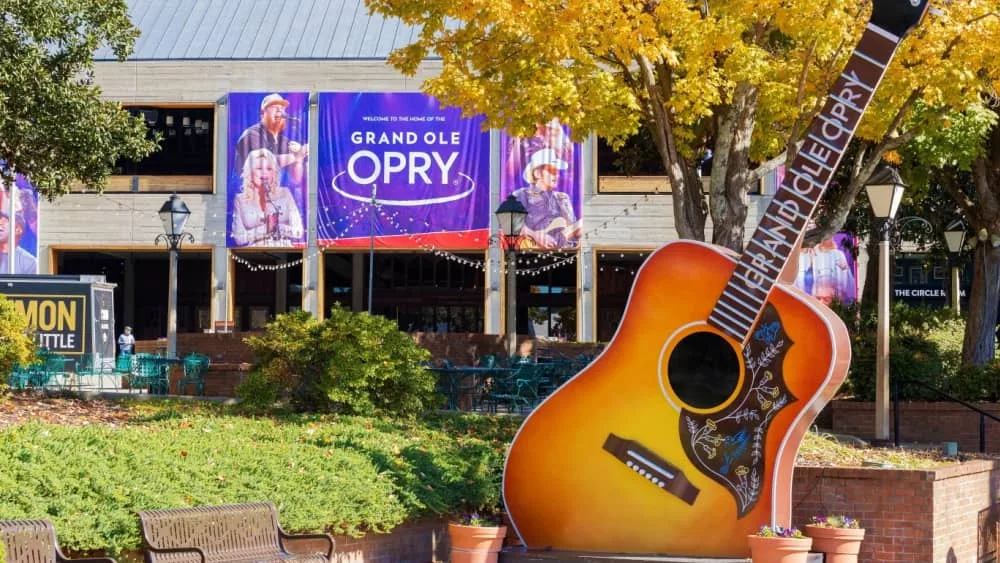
(476, 538)
(779, 545)
(838, 536)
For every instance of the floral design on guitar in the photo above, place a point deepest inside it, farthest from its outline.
(728, 445)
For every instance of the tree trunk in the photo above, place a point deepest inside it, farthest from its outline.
(979, 346)
(869, 293)
(728, 189)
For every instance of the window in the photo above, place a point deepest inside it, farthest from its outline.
(186, 147)
(917, 275)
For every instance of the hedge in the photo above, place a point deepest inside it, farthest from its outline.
(344, 475)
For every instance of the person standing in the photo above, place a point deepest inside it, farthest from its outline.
(126, 342)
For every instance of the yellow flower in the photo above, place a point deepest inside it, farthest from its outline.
(775, 392)
(742, 471)
(710, 424)
(765, 405)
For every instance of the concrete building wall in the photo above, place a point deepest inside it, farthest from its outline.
(128, 220)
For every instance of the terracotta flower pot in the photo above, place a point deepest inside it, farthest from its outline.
(475, 544)
(841, 545)
(779, 550)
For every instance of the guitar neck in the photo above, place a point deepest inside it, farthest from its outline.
(808, 176)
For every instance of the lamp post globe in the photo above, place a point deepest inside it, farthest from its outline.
(174, 214)
(511, 215)
(885, 192)
(954, 237)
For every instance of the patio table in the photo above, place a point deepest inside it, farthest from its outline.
(453, 376)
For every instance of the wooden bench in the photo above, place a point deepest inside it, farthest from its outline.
(34, 541)
(217, 534)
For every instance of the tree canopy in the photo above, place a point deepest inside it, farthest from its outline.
(742, 78)
(54, 127)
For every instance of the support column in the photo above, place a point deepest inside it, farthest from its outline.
(311, 283)
(222, 291)
(882, 341)
(281, 287)
(586, 326)
(494, 266)
(172, 306)
(358, 282)
(128, 292)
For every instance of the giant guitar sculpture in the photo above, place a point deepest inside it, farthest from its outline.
(681, 437)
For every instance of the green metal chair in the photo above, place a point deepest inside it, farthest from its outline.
(195, 368)
(148, 372)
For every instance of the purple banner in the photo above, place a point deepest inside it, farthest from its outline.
(24, 227)
(267, 177)
(828, 271)
(544, 172)
(428, 165)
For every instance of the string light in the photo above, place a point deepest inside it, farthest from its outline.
(558, 258)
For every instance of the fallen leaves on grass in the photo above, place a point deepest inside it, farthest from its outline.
(820, 449)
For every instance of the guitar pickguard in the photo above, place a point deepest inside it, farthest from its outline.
(728, 445)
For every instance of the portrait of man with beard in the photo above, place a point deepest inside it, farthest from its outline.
(269, 134)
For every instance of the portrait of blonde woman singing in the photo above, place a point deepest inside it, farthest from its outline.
(264, 212)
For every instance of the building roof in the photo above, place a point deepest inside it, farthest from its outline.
(262, 30)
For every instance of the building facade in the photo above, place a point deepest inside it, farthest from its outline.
(191, 57)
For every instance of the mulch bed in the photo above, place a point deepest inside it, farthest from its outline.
(21, 407)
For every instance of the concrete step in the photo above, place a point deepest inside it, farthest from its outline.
(519, 555)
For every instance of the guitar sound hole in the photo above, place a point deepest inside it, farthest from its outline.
(703, 370)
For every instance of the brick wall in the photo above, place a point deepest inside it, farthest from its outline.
(231, 357)
(922, 422)
(417, 542)
(911, 516)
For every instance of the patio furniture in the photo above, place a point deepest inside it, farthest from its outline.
(195, 368)
(235, 532)
(34, 541)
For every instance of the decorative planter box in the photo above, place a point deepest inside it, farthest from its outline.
(943, 514)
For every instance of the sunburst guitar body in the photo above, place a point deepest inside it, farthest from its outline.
(565, 489)
(681, 437)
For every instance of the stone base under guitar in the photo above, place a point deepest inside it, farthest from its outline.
(520, 556)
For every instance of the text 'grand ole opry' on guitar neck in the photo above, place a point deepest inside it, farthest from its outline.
(681, 437)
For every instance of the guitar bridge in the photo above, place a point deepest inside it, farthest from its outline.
(655, 469)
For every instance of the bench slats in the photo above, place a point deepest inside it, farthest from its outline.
(229, 533)
(34, 541)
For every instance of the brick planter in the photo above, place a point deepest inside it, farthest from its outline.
(944, 514)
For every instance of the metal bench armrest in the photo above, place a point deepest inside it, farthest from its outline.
(174, 550)
(283, 535)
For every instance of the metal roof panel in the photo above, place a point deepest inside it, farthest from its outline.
(261, 29)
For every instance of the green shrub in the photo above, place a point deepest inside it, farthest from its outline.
(350, 363)
(16, 343)
(258, 391)
(344, 475)
(924, 347)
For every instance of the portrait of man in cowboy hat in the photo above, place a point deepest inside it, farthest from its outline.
(551, 222)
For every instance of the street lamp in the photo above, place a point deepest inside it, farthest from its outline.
(511, 215)
(885, 191)
(954, 237)
(174, 215)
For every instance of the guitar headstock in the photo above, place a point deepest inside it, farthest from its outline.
(898, 16)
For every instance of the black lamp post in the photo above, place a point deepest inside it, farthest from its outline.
(510, 216)
(174, 215)
(885, 192)
(954, 237)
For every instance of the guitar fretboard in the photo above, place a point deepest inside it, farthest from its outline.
(806, 179)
